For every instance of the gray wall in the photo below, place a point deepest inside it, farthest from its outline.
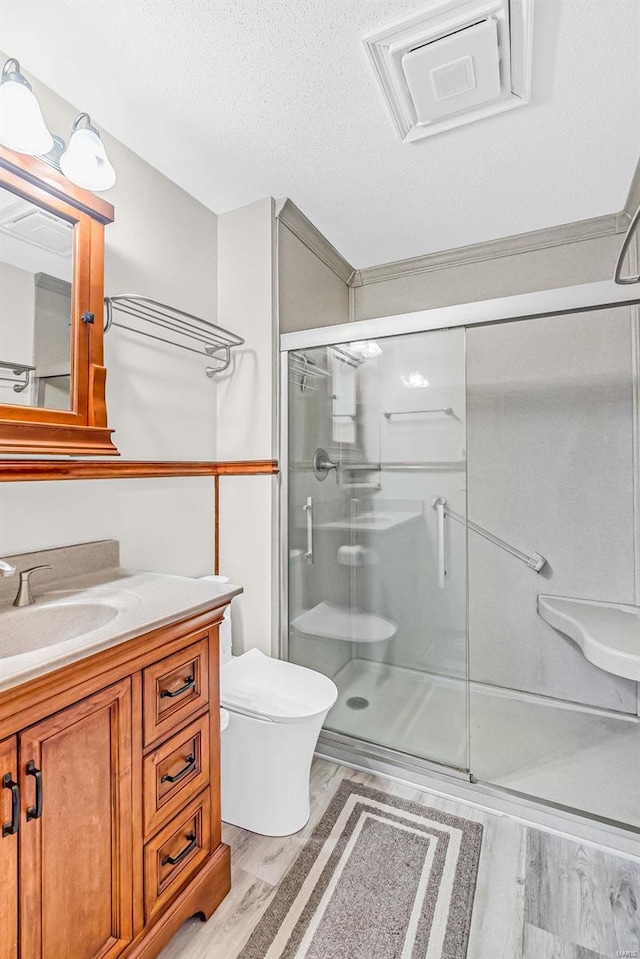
(482, 279)
(310, 294)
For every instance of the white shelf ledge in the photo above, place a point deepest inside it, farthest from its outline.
(607, 633)
(339, 622)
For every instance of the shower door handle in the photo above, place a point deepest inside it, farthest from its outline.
(308, 508)
(439, 506)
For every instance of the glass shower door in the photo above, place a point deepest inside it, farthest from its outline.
(377, 562)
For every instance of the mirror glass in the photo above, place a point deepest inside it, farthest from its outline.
(36, 270)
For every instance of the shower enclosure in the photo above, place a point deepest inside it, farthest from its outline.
(441, 470)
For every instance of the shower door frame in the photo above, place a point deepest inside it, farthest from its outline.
(587, 297)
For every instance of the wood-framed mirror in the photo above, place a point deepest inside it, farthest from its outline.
(52, 373)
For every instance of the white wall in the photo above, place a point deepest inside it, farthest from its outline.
(17, 306)
(164, 525)
(247, 420)
(163, 244)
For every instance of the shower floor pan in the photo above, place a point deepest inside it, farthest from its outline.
(576, 756)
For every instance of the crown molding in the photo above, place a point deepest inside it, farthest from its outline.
(610, 224)
(600, 226)
(295, 220)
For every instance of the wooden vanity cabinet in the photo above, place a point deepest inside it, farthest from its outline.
(110, 799)
(76, 850)
(9, 814)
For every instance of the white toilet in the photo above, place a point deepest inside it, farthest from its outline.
(272, 715)
(276, 710)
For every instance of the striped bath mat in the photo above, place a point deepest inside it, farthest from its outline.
(380, 878)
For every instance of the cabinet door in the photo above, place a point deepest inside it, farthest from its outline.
(9, 823)
(76, 831)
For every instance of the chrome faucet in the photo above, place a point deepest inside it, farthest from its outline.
(24, 596)
(7, 569)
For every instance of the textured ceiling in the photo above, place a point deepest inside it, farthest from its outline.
(239, 99)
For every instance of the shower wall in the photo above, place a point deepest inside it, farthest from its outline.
(369, 610)
(309, 429)
(522, 264)
(551, 469)
(422, 457)
(413, 457)
(550, 447)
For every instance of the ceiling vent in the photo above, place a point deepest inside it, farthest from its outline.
(38, 227)
(458, 61)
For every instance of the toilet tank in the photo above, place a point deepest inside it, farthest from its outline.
(225, 625)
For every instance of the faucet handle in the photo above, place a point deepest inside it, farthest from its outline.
(26, 573)
(24, 596)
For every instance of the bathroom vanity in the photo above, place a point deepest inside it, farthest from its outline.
(109, 759)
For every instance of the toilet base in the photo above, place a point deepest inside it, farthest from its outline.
(265, 773)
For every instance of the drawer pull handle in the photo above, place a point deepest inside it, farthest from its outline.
(11, 828)
(173, 861)
(189, 683)
(34, 812)
(191, 765)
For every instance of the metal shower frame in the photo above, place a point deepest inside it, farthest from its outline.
(564, 301)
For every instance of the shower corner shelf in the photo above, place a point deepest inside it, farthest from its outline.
(215, 342)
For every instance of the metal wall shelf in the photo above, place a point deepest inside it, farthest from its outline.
(185, 329)
(21, 375)
(447, 410)
(305, 372)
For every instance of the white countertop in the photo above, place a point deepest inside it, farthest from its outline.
(134, 601)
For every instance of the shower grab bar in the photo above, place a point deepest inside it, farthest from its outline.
(618, 277)
(447, 410)
(433, 466)
(534, 561)
(308, 508)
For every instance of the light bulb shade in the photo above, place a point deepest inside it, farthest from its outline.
(367, 349)
(22, 127)
(415, 381)
(85, 161)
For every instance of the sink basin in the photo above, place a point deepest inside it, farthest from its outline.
(607, 633)
(39, 626)
(58, 617)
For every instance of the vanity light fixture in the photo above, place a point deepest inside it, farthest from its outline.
(22, 126)
(366, 349)
(415, 381)
(85, 160)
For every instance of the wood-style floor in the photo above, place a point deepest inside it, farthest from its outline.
(538, 896)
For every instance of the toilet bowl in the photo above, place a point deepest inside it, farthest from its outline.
(276, 710)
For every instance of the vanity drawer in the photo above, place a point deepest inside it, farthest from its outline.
(174, 689)
(174, 773)
(176, 853)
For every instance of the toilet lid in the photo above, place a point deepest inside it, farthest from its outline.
(257, 685)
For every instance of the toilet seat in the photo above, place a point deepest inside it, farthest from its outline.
(273, 690)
